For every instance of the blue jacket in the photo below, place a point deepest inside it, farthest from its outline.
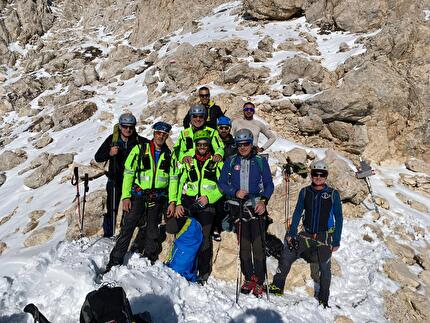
(183, 256)
(259, 173)
(322, 212)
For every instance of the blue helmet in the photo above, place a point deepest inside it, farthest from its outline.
(162, 126)
(223, 121)
(127, 119)
(243, 135)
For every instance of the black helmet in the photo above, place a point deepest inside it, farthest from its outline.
(197, 109)
(127, 119)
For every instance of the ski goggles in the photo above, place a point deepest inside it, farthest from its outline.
(319, 173)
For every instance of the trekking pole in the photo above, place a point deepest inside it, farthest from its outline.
(115, 139)
(75, 182)
(364, 172)
(86, 188)
(263, 243)
(239, 238)
(287, 202)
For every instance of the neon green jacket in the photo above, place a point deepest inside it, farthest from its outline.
(185, 145)
(198, 185)
(140, 169)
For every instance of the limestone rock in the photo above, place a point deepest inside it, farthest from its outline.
(310, 124)
(298, 67)
(404, 252)
(297, 155)
(343, 319)
(30, 226)
(94, 211)
(8, 216)
(39, 236)
(51, 165)
(36, 214)
(224, 262)
(243, 71)
(266, 44)
(406, 306)
(416, 183)
(417, 165)
(3, 247)
(73, 114)
(85, 76)
(94, 171)
(118, 59)
(10, 159)
(343, 179)
(273, 9)
(412, 203)
(43, 142)
(381, 202)
(400, 273)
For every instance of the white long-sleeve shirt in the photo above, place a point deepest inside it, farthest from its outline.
(256, 127)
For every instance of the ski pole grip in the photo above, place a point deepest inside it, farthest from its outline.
(86, 182)
(75, 176)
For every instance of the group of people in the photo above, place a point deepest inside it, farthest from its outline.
(215, 171)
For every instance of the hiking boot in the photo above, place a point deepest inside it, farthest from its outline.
(324, 304)
(248, 285)
(258, 291)
(275, 290)
(203, 279)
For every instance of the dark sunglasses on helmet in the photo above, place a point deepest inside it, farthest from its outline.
(316, 173)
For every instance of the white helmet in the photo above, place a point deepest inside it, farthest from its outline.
(319, 165)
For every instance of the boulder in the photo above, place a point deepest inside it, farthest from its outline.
(404, 252)
(242, 71)
(311, 124)
(343, 319)
(50, 166)
(382, 202)
(94, 171)
(3, 247)
(36, 214)
(42, 142)
(342, 178)
(10, 159)
(118, 59)
(417, 165)
(273, 9)
(94, 211)
(412, 203)
(406, 305)
(400, 273)
(416, 183)
(266, 44)
(30, 226)
(298, 67)
(40, 236)
(73, 114)
(296, 155)
(85, 76)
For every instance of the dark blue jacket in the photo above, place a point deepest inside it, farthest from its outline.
(229, 180)
(322, 212)
(183, 256)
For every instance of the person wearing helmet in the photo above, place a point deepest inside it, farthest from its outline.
(115, 149)
(184, 148)
(213, 111)
(199, 179)
(322, 222)
(256, 127)
(149, 187)
(247, 182)
(224, 127)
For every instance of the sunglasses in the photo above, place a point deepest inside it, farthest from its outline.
(161, 133)
(224, 128)
(204, 95)
(202, 144)
(243, 144)
(249, 109)
(319, 174)
(128, 127)
(198, 116)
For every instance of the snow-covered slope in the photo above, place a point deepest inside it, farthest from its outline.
(56, 276)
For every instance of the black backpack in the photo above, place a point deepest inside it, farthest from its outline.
(107, 304)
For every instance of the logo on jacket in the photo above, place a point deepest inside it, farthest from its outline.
(326, 195)
(237, 167)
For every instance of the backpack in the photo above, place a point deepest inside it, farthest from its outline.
(107, 304)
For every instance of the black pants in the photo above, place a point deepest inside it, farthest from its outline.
(323, 256)
(146, 215)
(205, 217)
(220, 214)
(108, 221)
(252, 244)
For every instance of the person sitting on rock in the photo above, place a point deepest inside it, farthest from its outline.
(322, 221)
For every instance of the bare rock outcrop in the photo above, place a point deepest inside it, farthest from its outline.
(417, 165)
(50, 165)
(273, 9)
(406, 305)
(94, 211)
(3, 247)
(39, 236)
(72, 114)
(400, 273)
(10, 159)
(416, 183)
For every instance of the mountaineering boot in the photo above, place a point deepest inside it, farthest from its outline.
(203, 279)
(324, 304)
(248, 285)
(258, 291)
(275, 290)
